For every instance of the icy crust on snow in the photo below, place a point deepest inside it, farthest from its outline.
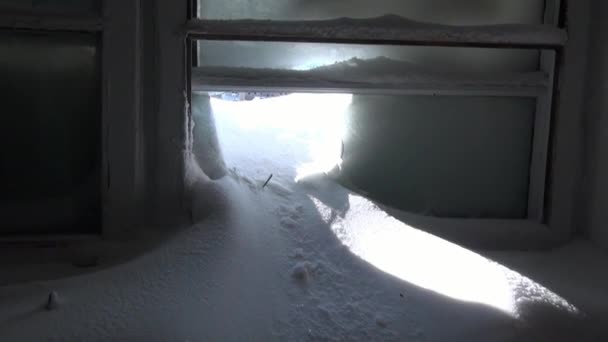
(389, 28)
(380, 72)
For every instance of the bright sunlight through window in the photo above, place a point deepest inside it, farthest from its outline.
(290, 136)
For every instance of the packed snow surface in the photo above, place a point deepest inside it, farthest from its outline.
(301, 259)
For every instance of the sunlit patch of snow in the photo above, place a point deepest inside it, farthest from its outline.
(431, 262)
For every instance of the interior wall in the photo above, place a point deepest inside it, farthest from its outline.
(595, 189)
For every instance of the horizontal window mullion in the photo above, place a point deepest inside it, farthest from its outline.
(390, 30)
(528, 84)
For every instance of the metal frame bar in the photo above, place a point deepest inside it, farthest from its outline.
(398, 31)
(192, 14)
(542, 123)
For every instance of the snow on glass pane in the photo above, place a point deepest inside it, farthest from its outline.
(451, 12)
(437, 155)
(306, 56)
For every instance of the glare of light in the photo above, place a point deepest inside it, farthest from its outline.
(431, 262)
(309, 127)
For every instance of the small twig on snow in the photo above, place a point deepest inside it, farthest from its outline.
(268, 180)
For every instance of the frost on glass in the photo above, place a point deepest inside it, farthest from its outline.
(461, 12)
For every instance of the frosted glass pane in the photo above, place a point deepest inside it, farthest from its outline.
(442, 156)
(460, 12)
(304, 56)
(50, 128)
(69, 6)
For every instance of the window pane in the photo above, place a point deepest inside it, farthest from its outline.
(461, 12)
(305, 56)
(69, 6)
(438, 155)
(49, 130)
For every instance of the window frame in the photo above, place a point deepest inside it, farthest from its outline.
(198, 29)
(146, 171)
(122, 170)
